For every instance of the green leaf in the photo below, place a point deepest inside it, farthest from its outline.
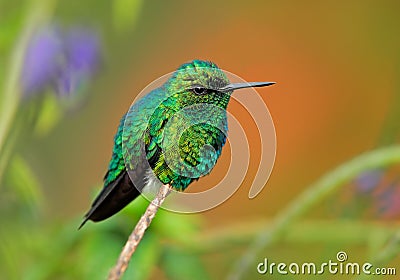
(49, 115)
(125, 13)
(8, 254)
(24, 182)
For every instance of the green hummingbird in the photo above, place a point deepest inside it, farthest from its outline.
(171, 136)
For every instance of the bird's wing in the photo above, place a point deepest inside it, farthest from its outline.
(126, 173)
(118, 188)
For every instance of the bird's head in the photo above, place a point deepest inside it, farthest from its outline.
(203, 82)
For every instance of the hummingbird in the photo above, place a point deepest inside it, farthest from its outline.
(173, 136)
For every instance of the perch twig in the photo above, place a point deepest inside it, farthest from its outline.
(137, 234)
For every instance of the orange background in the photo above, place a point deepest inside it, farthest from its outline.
(335, 70)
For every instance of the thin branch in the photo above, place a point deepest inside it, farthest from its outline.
(138, 233)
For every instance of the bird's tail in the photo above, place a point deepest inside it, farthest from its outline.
(112, 199)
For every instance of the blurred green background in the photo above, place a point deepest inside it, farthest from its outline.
(337, 66)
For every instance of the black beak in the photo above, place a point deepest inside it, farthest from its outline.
(232, 87)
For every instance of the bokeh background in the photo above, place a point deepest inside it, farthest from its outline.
(69, 70)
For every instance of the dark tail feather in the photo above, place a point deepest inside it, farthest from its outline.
(112, 199)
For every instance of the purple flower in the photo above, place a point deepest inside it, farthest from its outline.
(368, 180)
(373, 194)
(388, 200)
(59, 59)
(380, 192)
(42, 60)
(82, 56)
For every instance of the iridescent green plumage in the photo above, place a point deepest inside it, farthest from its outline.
(173, 135)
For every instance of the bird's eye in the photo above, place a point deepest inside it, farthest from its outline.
(199, 90)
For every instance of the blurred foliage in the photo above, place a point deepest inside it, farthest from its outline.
(176, 246)
(48, 117)
(125, 13)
